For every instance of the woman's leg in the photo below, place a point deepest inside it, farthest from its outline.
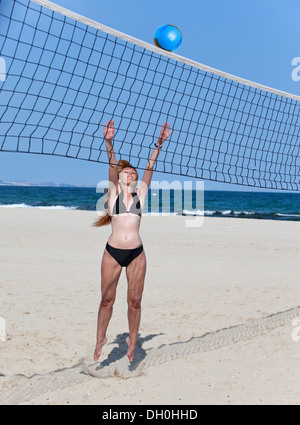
(110, 274)
(135, 273)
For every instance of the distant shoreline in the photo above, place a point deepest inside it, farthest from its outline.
(47, 184)
(4, 183)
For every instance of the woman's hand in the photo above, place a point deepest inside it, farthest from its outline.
(108, 136)
(164, 134)
(109, 130)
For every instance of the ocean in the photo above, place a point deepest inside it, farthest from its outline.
(247, 205)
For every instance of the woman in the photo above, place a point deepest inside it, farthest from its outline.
(124, 247)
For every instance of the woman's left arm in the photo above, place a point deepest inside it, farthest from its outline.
(164, 134)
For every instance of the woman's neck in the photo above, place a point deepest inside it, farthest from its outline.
(127, 190)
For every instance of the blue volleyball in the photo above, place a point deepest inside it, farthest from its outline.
(168, 37)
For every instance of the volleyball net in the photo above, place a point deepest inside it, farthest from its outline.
(67, 75)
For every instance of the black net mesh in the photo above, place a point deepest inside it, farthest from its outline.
(64, 79)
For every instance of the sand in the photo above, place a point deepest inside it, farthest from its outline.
(221, 274)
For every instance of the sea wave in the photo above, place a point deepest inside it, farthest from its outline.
(293, 216)
(155, 214)
(49, 207)
(243, 214)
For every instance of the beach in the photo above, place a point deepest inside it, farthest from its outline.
(201, 277)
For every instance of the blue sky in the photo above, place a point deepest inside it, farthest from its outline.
(256, 40)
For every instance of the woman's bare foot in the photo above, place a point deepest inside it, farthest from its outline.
(131, 348)
(98, 349)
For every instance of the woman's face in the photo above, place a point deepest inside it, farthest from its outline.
(128, 176)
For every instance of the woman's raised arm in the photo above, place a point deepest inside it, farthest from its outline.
(113, 165)
(164, 134)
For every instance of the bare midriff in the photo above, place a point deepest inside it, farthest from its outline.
(125, 231)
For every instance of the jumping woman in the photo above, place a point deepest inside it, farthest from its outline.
(124, 248)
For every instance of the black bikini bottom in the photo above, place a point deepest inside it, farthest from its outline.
(124, 256)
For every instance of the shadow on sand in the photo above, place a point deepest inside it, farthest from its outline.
(119, 352)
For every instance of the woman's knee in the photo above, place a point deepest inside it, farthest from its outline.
(107, 301)
(134, 303)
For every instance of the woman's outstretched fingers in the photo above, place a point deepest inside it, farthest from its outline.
(165, 133)
(109, 129)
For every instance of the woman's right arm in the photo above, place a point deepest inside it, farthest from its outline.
(113, 165)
